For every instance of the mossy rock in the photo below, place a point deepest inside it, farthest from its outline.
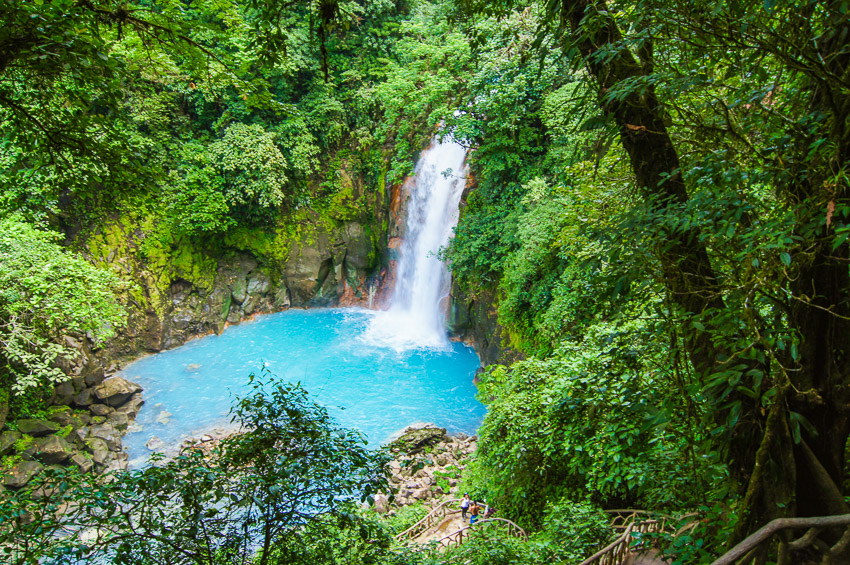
(416, 440)
(8, 440)
(37, 428)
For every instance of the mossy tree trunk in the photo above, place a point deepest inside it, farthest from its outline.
(779, 476)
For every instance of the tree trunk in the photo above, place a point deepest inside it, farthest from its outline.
(777, 474)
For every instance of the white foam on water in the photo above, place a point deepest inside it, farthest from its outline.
(416, 315)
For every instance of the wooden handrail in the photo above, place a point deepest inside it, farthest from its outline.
(457, 537)
(617, 551)
(813, 526)
(426, 521)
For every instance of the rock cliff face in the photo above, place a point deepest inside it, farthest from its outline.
(180, 288)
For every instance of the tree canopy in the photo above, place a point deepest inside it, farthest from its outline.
(658, 206)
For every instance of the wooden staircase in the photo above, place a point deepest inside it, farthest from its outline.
(446, 518)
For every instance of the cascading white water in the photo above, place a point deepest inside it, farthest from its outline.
(416, 313)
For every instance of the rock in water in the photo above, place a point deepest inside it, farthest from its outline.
(155, 444)
(116, 391)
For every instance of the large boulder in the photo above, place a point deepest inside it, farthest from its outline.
(116, 391)
(63, 393)
(21, 474)
(107, 433)
(119, 421)
(7, 441)
(37, 428)
(101, 409)
(132, 407)
(84, 398)
(53, 450)
(101, 457)
(415, 440)
(239, 291)
(63, 417)
(259, 283)
(83, 463)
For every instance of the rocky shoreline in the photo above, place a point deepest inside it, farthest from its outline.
(85, 433)
(426, 466)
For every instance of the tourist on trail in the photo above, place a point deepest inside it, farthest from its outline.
(489, 512)
(464, 505)
(473, 512)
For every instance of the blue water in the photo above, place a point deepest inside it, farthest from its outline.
(373, 388)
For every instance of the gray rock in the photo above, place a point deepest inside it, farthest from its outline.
(155, 444)
(80, 420)
(79, 383)
(116, 391)
(63, 393)
(63, 418)
(73, 342)
(7, 441)
(259, 283)
(109, 434)
(37, 428)
(282, 298)
(84, 398)
(239, 290)
(79, 436)
(116, 465)
(53, 451)
(235, 315)
(21, 474)
(101, 409)
(101, 457)
(181, 319)
(422, 494)
(132, 407)
(359, 252)
(250, 305)
(83, 463)
(119, 421)
(382, 504)
(96, 444)
(94, 374)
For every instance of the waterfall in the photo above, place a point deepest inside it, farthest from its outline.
(415, 316)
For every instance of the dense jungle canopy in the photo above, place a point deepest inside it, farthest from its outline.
(659, 212)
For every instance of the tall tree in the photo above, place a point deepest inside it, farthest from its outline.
(735, 119)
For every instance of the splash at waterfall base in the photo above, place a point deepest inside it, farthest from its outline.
(417, 309)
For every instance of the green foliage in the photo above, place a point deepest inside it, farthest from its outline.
(290, 473)
(340, 539)
(47, 290)
(572, 531)
(595, 418)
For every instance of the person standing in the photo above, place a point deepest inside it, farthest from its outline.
(473, 512)
(464, 505)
